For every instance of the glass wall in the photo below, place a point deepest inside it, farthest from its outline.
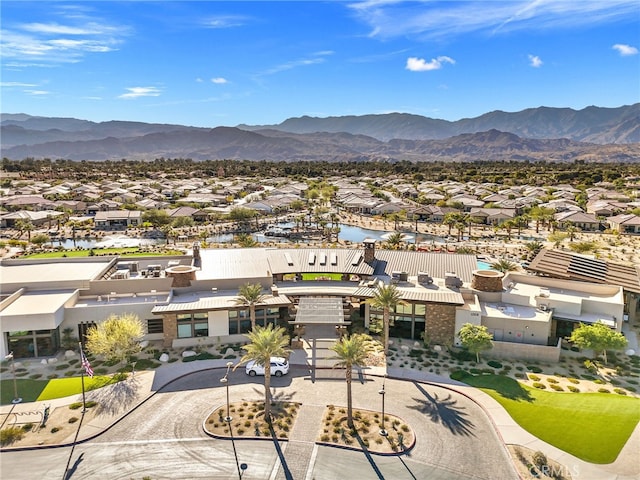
(193, 325)
(406, 321)
(33, 343)
(240, 320)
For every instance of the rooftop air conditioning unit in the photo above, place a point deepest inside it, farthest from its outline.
(544, 292)
(451, 280)
(424, 278)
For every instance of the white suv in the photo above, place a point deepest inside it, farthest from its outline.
(279, 367)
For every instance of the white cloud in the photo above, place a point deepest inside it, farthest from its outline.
(535, 61)
(17, 84)
(37, 92)
(55, 43)
(199, 80)
(219, 80)
(225, 21)
(428, 19)
(416, 64)
(135, 92)
(315, 58)
(625, 50)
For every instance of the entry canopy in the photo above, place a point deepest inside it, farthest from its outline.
(317, 310)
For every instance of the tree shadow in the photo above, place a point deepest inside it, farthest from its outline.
(444, 411)
(283, 461)
(368, 456)
(116, 398)
(504, 386)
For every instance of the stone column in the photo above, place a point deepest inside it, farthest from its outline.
(169, 329)
(440, 325)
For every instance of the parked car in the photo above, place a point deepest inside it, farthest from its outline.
(279, 367)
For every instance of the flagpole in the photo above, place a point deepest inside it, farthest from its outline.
(82, 357)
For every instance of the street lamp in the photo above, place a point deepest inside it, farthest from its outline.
(382, 392)
(225, 381)
(16, 398)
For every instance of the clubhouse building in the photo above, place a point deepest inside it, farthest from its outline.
(189, 300)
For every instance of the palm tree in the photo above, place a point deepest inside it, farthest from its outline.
(24, 225)
(250, 295)
(394, 240)
(245, 240)
(504, 266)
(387, 298)
(266, 342)
(351, 352)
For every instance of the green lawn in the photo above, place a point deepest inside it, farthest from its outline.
(590, 426)
(313, 276)
(63, 387)
(34, 390)
(128, 252)
(28, 390)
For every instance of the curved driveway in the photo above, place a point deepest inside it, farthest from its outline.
(164, 438)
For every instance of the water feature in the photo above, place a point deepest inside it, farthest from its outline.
(108, 241)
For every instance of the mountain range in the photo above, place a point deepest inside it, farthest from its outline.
(535, 134)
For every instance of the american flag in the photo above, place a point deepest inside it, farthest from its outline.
(86, 364)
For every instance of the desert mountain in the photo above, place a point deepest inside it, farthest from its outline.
(602, 135)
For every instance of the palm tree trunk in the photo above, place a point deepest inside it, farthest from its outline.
(267, 392)
(385, 322)
(349, 402)
(252, 314)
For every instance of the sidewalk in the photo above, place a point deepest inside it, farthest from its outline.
(626, 466)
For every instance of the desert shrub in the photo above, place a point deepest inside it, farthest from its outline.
(77, 405)
(588, 377)
(35, 376)
(519, 375)
(557, 388)
(494, 364)
(534, 378)
(552, 380)
(539, 459)
(619, 391)
(73, 420)
(534, 369)
(62, 366)
(539, 385)
(27, 427)
(69, 373)
(55, 429)
(459, 375)
(573, 380)
(632, 389)
(599, 381)
(10, 435)
(603, 390)
(573, 389)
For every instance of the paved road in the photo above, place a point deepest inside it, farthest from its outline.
(164, 437)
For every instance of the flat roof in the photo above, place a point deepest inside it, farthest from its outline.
(71, 273)
(38, 303)
(514, 312)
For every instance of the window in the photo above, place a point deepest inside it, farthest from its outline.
(155, 325)
(193, 325)
(240, 320)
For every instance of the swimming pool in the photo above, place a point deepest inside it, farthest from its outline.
(483, 265)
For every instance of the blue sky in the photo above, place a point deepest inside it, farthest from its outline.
(225, 63)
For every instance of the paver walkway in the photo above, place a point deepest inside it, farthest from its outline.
(301, 445)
